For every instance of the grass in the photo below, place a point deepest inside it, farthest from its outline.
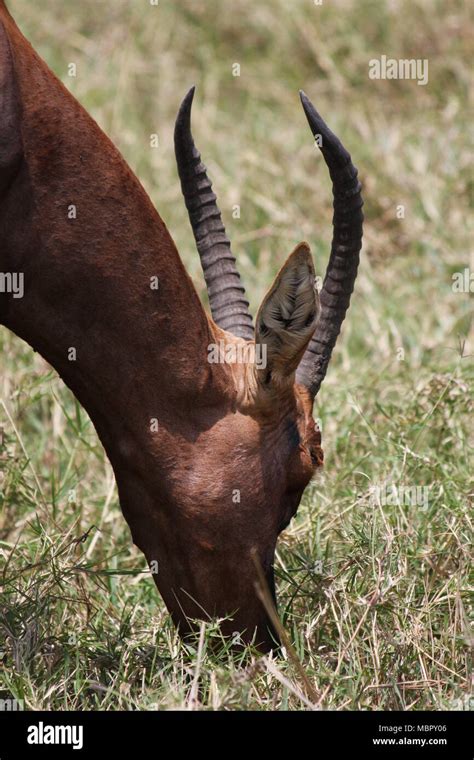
(373, 593)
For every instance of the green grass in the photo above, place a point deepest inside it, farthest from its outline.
(373, 596)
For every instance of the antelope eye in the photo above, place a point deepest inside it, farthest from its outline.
(293, 434)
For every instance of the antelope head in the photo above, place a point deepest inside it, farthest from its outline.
(207, 421)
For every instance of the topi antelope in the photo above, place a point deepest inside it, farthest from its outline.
(211, 458)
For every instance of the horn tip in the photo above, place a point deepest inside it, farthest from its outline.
(311, 114)
(183, 119)
(188, 98)
(315, 121)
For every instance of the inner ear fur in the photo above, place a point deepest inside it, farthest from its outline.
(288, 316)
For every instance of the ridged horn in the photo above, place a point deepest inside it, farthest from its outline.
(345, 249)
(229, 306)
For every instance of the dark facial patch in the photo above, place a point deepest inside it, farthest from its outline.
(293, 434)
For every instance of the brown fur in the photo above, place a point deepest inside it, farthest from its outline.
(142, 354)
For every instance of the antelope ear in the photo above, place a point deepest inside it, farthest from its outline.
(287, 317)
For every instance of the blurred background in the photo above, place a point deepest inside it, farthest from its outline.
(373, 595)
